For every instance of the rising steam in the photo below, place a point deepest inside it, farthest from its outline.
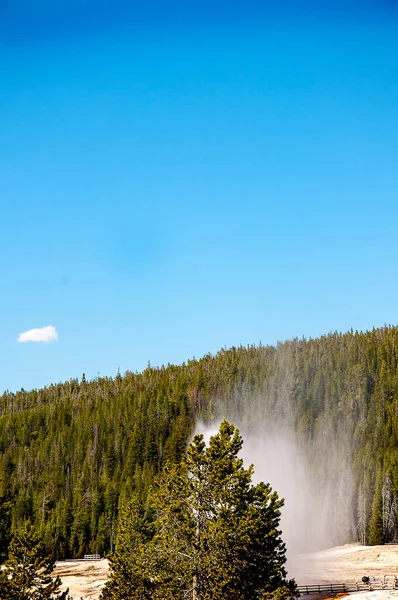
(312, 477)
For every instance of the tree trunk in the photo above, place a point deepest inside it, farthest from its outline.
(195, 593)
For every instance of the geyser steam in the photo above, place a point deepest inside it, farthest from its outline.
(313, 476)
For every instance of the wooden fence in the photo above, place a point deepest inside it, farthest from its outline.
(334, 588)
(338, 588)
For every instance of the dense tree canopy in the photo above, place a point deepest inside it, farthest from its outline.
(27, 574)
(207, 533)
(71, 454)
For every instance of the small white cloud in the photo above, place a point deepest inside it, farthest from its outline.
(45, 334)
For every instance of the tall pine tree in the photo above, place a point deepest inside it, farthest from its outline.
(208, 532)
(27, 572)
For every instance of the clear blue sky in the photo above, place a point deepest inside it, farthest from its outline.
(179, 177)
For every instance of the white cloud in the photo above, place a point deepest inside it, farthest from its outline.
(45, 334)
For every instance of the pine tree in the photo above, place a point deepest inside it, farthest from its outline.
(27, 572)
(5, 587)
(361, 515)
(389, 510)
(212, 533)
(376, 522)
(128, 562)
(5, 525)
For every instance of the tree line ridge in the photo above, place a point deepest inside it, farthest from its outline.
(74, 453)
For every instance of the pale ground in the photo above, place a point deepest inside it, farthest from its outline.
(345, 564)
(348, 564)
(84, 578)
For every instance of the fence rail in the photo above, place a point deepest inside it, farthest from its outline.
(336, 588)
(92, 557)
(316, 588)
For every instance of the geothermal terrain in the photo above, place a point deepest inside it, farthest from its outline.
(348, 564)
(83, 578)
(344, 564)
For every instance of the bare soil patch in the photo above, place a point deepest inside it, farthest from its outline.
(84, 578)
(344, 564)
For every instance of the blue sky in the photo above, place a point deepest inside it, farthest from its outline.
(180, 177)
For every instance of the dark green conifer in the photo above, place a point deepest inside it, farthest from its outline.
(212, 533)
(27, 574)
(376, 522)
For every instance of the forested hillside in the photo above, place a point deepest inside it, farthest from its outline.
(72, 453)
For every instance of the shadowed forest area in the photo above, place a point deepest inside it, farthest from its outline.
(72, 454)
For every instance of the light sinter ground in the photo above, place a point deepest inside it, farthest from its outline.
(344, 564)
(348, 564)
(85, 579)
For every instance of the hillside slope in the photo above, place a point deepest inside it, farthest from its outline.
(71, 453)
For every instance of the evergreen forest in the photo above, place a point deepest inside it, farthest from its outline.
(73, 454)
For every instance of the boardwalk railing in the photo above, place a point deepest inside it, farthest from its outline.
(334, 588)
(373, 585)
(337, 588)
(92, 557)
